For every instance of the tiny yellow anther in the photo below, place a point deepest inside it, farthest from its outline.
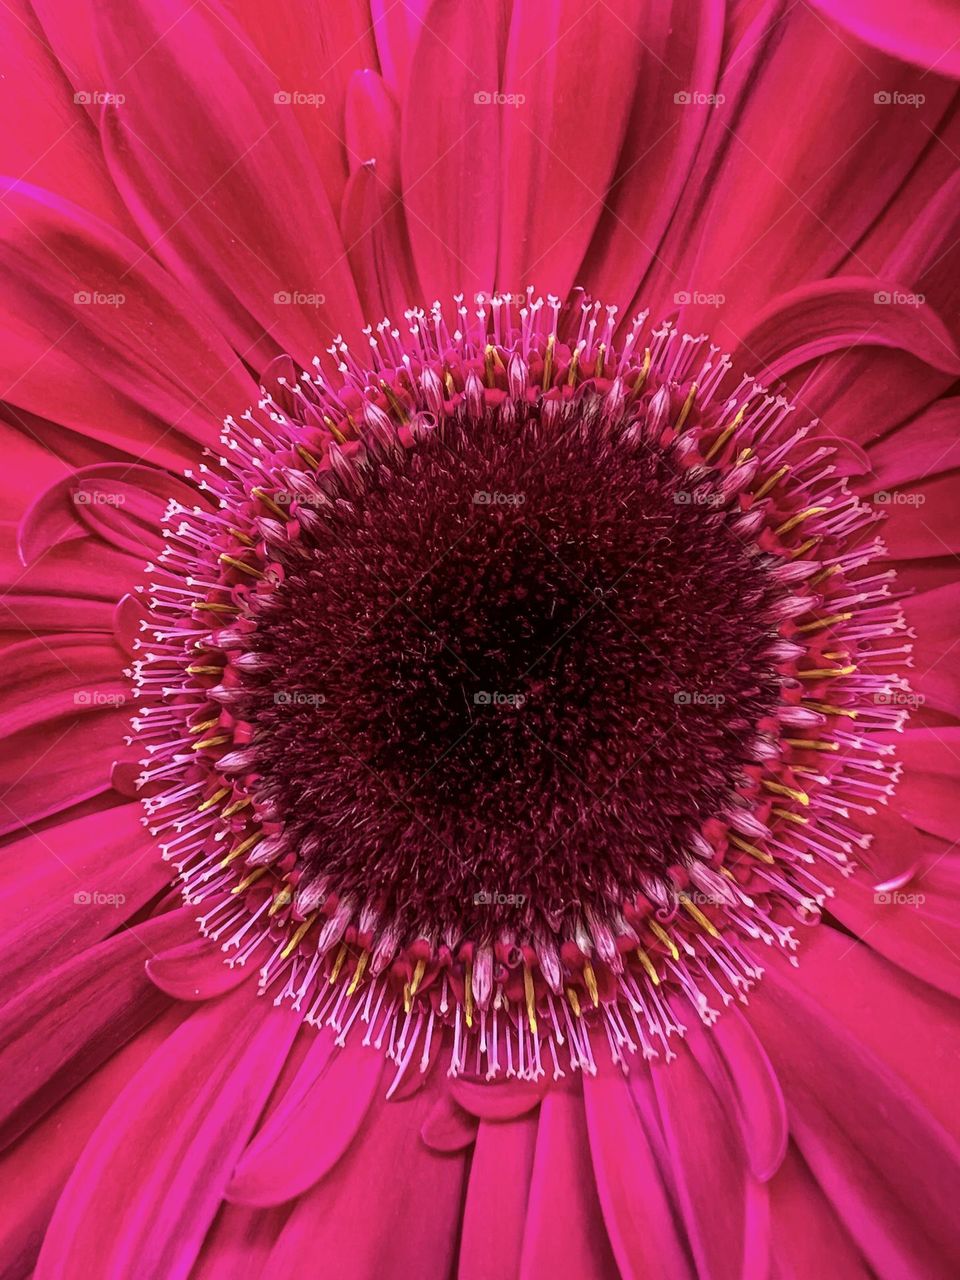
(648, 966)
(664, 937)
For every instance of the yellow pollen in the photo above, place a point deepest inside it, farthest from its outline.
(799, 519)
(468, 992)
(207, 724)
(648, 966)
(665, 938)
(357, 973)
(296, 936)
(338, 964)
(281, 899)
(695, 913)
(214, 799)
(194, 670)
(252, 878)
(574, 1001)
(237, 805)
(770, 483)
(211, 742)
(684, 413)
(821, 673)
(825, 622)
(779, 789)
(548, 361)
(750, 848)
(811, 744)
(829, 709)
(798, 818)
(574, 369)
(308, 457)
(234, 563)
(268, 502)
(642, 375)
(241, 849)
(529, 997)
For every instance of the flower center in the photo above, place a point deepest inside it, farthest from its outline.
(510, 691)
(509, 670)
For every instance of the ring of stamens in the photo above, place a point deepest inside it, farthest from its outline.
(514, 987)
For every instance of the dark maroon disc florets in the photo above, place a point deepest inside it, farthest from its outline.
(510, 671)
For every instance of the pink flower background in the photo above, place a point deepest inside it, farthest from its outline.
(198, 195)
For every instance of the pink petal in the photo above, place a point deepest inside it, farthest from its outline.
(496, 1200)
(452, 223)
(925, 34)
(170, 1140)
(562, 141)
(329, 1097)
(228, 200)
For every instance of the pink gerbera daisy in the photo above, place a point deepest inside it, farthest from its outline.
(479, 608)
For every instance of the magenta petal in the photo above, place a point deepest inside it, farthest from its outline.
(170, 1140)
(925, 34)
(390, 1206)
(631, 1184)
(734, 1061)
(60, 1029)
(229, 200)
(496, 1198)
(197, 970)
(724, 1208)
(75, 882)
(564, 1234)
(329, 1098)
(552, 196)
(452, 224)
